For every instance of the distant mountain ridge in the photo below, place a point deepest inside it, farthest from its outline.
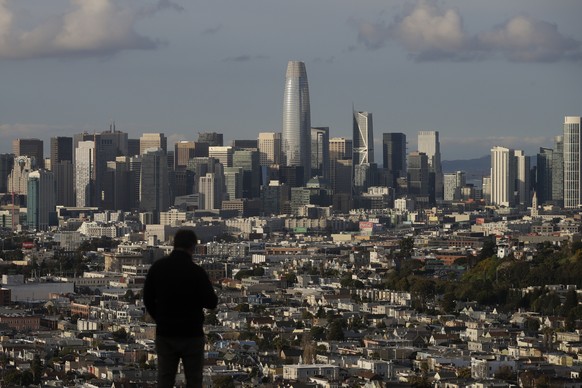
(472, 167)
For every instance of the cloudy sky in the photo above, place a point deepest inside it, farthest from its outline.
(482, 73)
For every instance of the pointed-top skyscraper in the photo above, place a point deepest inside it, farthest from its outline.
(296, 134)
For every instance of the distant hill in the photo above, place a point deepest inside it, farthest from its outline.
(473, 167)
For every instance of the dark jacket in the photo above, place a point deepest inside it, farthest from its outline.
(175, 292)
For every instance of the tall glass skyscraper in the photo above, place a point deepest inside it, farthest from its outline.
(296, 135)
(363, 136)
(572, 161)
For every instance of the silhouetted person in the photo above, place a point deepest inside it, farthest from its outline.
(175, 293)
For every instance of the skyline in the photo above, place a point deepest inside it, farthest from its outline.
(481, 74)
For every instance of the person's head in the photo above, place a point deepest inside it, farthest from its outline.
(185, 240)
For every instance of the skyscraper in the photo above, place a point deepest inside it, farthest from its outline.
(6, 164)
(85, 157)
(363, 138)
(544, 173)
(428, 142)
(222, 153)
(40, 205)
(296, 135)
(320, 151)
(62, 167)
(503, 175)
(61, 149)
(340, 148)
(558, 171)
(212, 138)
(418, 178)
(394, 156)
(153, 140)
(269, 148)
(572, 162)
(154, 182)
(29, 147)
(522, 178)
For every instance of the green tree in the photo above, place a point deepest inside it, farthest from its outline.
(36, 369)
(335, 331)
(406, 246)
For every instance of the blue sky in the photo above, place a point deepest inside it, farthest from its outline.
(482, 73)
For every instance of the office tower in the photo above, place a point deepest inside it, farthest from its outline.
(363, 138)
(200, 166)
(210, 193)
(320, 152)
(183, 182)
(418, 178)
(41, 206)
(296, 135)
(64, 183)
(233, 182)
(245, 144)
(544, 175)
(394, 156)
(133, 147)
(486, 189)
(269, 144)
(61, 164)
(453, 183)
(153, 140)
(61, 150)
(248, 160)
(292, 176)
(29, 147)
(183, 152)
(154, 193)
(134, 179)
(503, 176)
(222, 153)
(18, 177)
(522, 178)
(428, 142)
(6, 165)
(365, 176)
(558, 171)
(212, 138)
(272, 197)
(340, 148)
(572, 162)
(85, 174)
(117, 185)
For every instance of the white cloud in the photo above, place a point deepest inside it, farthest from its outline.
(523, 39)
(429, 32)
(88, 28)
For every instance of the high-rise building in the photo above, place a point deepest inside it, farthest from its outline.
(418, 178)
(340, 148)
(32, 148)
(18, 177)
(40, 207)
(363, 138)
(133, 147)
(269, 144)
(222, 153)
(186, 150)
(85, 173)
(61, 149)
(211, 192)
(544, 174)
(248, 160)
(320, 152)
(245, 144)
(572, 162)
(428, 142)
(6, 165)
(558, 171)
(153, 140)
(522, 178)
(296, 135)
(154, 193)
(212, 138)
(394, 156)
(453, 183)
(61, 164)
(233, 182)
(503, 176)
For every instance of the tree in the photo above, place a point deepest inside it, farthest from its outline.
(223, 382)
(335, 331)
(406, 247)
(36, 369)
